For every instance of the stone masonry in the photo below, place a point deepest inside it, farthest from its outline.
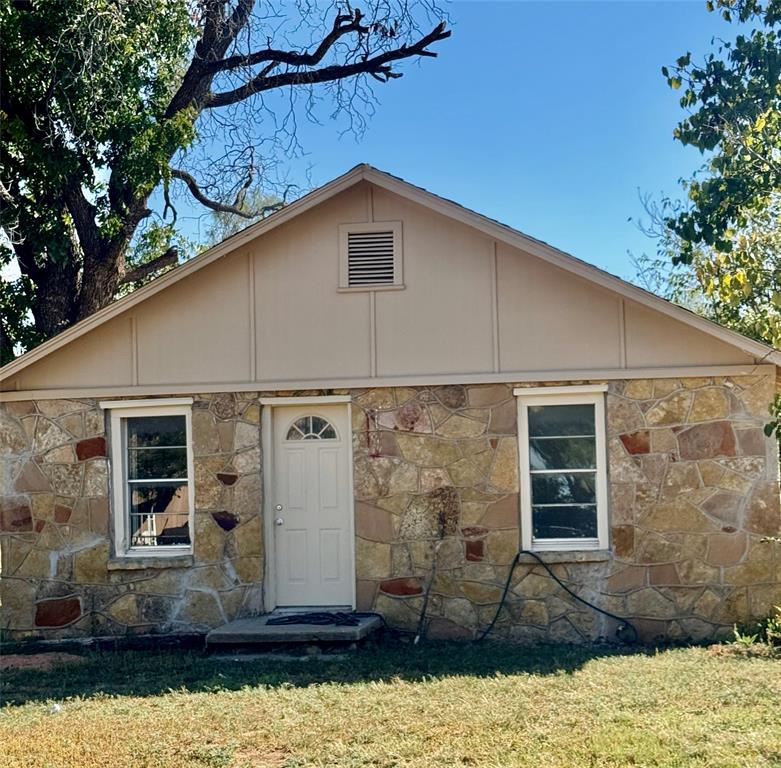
(694, 490)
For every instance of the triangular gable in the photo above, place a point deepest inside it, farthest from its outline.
(489, 227)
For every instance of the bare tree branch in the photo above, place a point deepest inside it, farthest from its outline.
(168, 259)
(377, 66)
(343, 25)
(196, 192)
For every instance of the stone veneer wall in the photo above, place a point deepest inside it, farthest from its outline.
(59, 579)
(694, 488)
(693, 491)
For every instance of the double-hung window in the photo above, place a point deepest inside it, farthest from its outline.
(561, 432)
(152, 475)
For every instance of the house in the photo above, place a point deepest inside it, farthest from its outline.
(309, 412)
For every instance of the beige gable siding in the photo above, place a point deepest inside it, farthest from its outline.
(655, 340)
(306, 329)
(550, 320)
(270, 314)
(442, 322)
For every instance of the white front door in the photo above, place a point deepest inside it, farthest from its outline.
(311, 506)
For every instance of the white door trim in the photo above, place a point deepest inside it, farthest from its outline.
(267, 447)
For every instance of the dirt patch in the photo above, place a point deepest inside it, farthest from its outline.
(39, 661)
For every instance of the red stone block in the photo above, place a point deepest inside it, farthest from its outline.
(475, 550)
(401, 587)
(706, 441)
(57, 612)
(15, 516)
(91, 447)
(637, 442)
(227, 478)
(226, 520)
(62, 514)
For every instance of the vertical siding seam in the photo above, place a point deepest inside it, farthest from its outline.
(373, 334)
(134, 378)
(252, 319)
(371, 203)
(621, 333)
(495, 310)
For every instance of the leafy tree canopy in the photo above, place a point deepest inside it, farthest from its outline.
(733, 99)
(104, 102)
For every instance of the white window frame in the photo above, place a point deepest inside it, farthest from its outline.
(586, 395)
(120, 411)
(398, 261)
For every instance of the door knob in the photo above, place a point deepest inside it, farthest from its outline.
(279, 521)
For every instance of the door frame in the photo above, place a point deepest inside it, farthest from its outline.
(267, 479)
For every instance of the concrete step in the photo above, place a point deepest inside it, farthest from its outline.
(257, 631)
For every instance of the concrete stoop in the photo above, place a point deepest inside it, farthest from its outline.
(256, 632)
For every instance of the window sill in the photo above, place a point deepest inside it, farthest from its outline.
(573, 556)
(140, 563)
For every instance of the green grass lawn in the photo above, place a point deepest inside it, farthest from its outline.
(439, 705)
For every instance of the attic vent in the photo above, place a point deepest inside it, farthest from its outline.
(370, 258)
(370, 255)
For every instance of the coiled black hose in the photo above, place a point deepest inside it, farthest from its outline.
(624, 622)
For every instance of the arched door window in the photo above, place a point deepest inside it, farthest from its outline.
(311, 428)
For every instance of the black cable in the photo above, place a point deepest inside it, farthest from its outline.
(624, 622)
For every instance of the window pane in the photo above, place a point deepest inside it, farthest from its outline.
(311, 428)
(564, 488)
(561, 420)
(563, 453)
(159, 514)
(147, 431)
(565, 522)
(156, 463)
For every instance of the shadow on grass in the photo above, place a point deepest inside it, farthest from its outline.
(149, 673)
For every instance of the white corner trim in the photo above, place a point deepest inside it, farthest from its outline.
(585, 389)
(304, 400)
(161, 402)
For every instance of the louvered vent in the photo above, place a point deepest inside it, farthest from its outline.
(370, 258)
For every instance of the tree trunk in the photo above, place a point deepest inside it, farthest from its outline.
(57, 287)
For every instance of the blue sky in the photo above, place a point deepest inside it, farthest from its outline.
(549, 116)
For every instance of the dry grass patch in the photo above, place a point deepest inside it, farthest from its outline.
(442, 705)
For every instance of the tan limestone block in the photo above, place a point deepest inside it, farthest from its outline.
(663, 441)
(677, 515)
(504, 472)
(206, 438)
(39, 564)
(489, 394)
(427, 451)
(504, 419)
(711, 472)
(64, 454)
(726, 548)
(650, 547)
(695, 382)
(395, 504)
(430, 479)
(17, 597)
(365, 485)
(373, 523)
(757, 398)
(762, 511)
(697, 571)
(372, 559)
(96, 478)
(90, 566)
(763, 600)
(248, 537)
(502, 546)
(756, 568)
(54, 408)
(664, 387)
(623, 415)
(377, 399)
(201, 608)
(481, 594)
(650, 603)
(458, 426)
(639, 389)
(248, 569)
(471, 470)
(673, 409)
(709, 404)
(65, 479)
(49, 435)
(125, 610)
(246, 436)
(94, 422)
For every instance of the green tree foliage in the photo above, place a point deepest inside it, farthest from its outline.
(105, 102)
(734, 103)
